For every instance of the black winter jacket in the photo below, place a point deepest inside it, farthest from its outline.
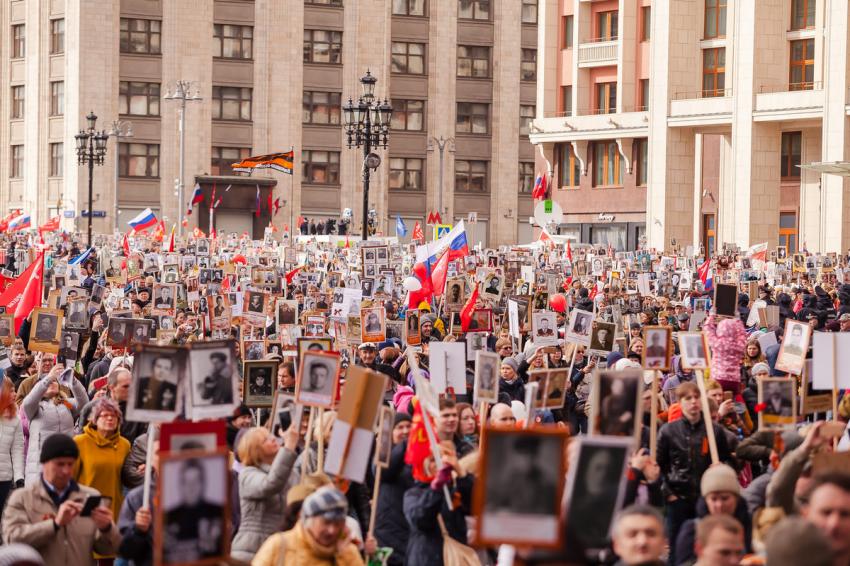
(685, 553)
(391, 527)
(683, 456)
(421, 506)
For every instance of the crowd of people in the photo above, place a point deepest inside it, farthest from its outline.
(83, 479)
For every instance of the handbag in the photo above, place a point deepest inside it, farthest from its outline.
(454, 552)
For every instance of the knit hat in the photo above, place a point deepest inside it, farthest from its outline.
(511, 363)
(58, 445)
(795, 541)
(327, 501)
(720, 478)
(16, 553)
(759, 368)
(401, 418)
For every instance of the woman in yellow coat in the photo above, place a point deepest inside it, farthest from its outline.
(102, 452)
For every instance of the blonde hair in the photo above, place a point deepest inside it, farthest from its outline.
(324, 426)
(251, 445)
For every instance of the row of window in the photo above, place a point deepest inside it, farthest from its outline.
(18, 99)
(467, 9)
(607, 166)
(472, 60)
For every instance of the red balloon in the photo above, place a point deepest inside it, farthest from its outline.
(239, 258)
(558, 302)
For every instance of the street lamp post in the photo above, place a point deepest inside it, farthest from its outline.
(441, 145)
(181, 92)
(91, 151)
(367, 125)
(121, 129)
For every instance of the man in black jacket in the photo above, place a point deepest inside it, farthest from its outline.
(683, 456)
(391, 529)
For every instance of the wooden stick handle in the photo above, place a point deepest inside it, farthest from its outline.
(307, 438)
(706, 417)
(653, 417)
(320, 462)
(375, 491)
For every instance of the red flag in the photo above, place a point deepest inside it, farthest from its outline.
(126, 245)
(347, 243)
(257, 204)
(159, 233)
(569, 252)
(50, 226)
(418, 447)
(271, 204)
(468, 308)
(298, 222)
(291, 274)
(25, 292)
(198, 233)
(539, 191)
(276, 205)
(171, 240)
(417, 232)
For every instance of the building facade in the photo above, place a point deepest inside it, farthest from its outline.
(697, 121)
(270, 75)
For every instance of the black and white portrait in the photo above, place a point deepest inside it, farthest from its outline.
(579, 327)
(615, 398)
(384, 442)
(656, 350)
(155, 389)
(202, 247)
(213, 384)
(493, 285)
(372, 324)
(455, 294)
(259, 383)
(487, 366)
(193, 495)
(692, 350)
(68, 345)
(46, 326)
(255, 303)
(317, 378)
(544, 328)
(72, 293)
(253, 350)
(286, 310)
(602, 337)
(525, 512)
(77, 314)
(778, 396)
(366, 286)
(141, 331)
(596, 486)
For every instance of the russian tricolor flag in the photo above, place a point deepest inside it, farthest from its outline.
(144, 220)
(432, 262)
(198, 195)
(21, 222)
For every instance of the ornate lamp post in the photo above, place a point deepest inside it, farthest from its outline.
(181, 92)
(91, 151)
(120, 130)
(367, 125)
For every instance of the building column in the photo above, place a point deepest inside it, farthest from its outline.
(810, 191)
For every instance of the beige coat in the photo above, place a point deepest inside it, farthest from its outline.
(28, 519)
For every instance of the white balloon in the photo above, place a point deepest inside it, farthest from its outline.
(411, 284)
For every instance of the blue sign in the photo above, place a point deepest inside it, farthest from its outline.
(94, 214)
(69, 213)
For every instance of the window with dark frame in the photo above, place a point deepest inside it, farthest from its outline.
(802, 65)
(320, 167)
(57, 98)
(715, 19)
(324, 2)
(19, 41)
(569, 168)
(606, 98)
(606, 25)
(471, 176)
(19, 101)
(526, 117)
(57, 36)
(803, 14)
(322, 47)
(567, 31)
(231, 103)
(473, 61)
(138, 160)
(473, 118)
(641, 161)
(138, 98)
(607, 165)
(526, 177)
(57, 159)
(408, 7)
(233, 42)
(792, 151)
(223, 157)
(322, 107)
(714, 72)
(643, 103)
(408, 58)
(528, 65)
(141, 36)
(565, 102)
(474, 10)
(645, 23)
(408, 115)
(16, 169)
(529, 11)
(406, 174)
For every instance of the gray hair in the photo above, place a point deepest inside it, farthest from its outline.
(112, 378)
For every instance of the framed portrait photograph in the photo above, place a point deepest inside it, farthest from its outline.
(155, 394)
(202, 247)
(373, 324)
(481, 321)
(540, 301)
(544, 328)
(253, 350)
(778, 396)
(46, 330)
(726, 299)
(492, 286)
(69, 345)
(180, 436)
(72, 293)
(384, 441)
(193, 512)
(527, 512)
(258, 383)
(487, 366)
(141, 331)
(318, 374)
(7, 328)
(164, 297)
(794, 347)
(602, 337)
(693, 349)
(579, 327)
(455, 294)
(314, 326)
(286, 311)
(595, 490)
(658, 348)
(213, 384)
(615, 398)
(254, 305)
(411, 328)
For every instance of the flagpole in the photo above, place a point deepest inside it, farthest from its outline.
(292, 196)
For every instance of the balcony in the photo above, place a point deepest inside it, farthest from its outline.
(589, 125)
(789, 102)
(701, 108)
(598, 53)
